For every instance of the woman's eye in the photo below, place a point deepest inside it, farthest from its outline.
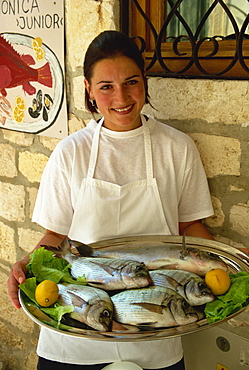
(132, 82)
(105, 87)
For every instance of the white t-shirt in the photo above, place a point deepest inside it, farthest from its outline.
(184, 194)
(177, 168)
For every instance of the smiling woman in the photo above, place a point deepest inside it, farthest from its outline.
(125, 175)
(117, 86)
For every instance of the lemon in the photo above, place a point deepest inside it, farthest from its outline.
(20, 103)
(218, 281)
(46, 293)
(40, 54)
(36, 43)
(18, 115)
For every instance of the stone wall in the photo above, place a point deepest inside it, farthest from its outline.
(214, 113)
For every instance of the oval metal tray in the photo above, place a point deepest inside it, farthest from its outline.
(235, 259)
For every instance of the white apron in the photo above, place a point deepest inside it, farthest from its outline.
(106, 210)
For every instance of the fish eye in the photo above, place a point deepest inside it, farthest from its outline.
(185, 304)
(106, 313)
(139, 267)
(204, 288)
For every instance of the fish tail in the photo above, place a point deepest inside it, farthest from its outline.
(83, 250)
(61, 250)
(45, 76)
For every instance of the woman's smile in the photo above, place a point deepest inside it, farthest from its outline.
(117, 86)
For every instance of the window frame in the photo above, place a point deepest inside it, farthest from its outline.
(203, 65)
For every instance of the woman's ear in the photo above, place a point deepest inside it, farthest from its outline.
(88, 89)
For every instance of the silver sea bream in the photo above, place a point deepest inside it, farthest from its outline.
(152, 307)
(105, 273)
(92, 306)
(190, 286)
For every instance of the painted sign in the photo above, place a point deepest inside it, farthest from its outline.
(32, 89)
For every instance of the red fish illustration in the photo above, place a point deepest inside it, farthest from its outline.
(15, 70)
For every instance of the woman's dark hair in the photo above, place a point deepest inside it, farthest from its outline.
(111, 44)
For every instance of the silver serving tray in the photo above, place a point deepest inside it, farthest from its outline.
(235, 259)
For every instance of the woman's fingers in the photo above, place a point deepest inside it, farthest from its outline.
(16, 277)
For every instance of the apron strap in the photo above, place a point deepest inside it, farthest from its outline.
(94, 150)
(147, 149)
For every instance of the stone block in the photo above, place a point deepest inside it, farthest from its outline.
(8, 361)
(239, 218)
(7, 242)
(218, 218)
(32, 197)
(76, 124)
(31, 361)
(7, 163)
(85, 19)
(28, 239)
(12, 202)
(7, 338)
(209, 100)
(32, 165)
(79, 93)
(16, 318)
(220, 155)
(19, 138)
(49, 142)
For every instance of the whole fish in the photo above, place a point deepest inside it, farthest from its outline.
(153, 307)
(190, 286)
(106, 273)
(158, 256)
(92, 306)
(15, 70)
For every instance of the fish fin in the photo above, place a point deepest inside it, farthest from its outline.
(29, 89)
(76, 300)
(106, 268)
(8, 47)
(28, 59)
(3, 92)
(149, 307)
(55, 250)
(61, 250)
(172, 282)
(45, 76)
(84, 250)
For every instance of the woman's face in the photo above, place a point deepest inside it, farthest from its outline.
(117, 85)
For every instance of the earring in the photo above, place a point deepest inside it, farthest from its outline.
(93, 102)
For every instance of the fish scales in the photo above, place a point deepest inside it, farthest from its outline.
(152, 306)
(190, 286)
(106, 273)
(158, 256)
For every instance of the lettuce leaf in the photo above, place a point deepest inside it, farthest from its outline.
(45, 266)
(235, 299)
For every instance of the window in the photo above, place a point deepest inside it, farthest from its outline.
(190, 38)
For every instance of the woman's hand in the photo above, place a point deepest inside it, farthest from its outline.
(17, 276)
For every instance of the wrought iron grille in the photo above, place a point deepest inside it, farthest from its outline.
(188, 54)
